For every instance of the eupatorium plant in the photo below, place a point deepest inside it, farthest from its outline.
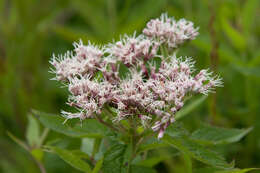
(128, 97)
(151, 93)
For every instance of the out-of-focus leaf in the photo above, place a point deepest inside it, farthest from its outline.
(72, 35)
(178, 139)
(37, 154)
(87, 145)
(151, 162)
(214, 170)
(33, 131)
(114, 158)
(98, 166)
(18, 141)
(237, 170)
(236, 38)
(248, 71)
(217, 135)
(71, 159)
(248, 14)
(190, 107)
(88, 128)
(143, 11)
(141, 169)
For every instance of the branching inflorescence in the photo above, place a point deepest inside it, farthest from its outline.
(156, 83)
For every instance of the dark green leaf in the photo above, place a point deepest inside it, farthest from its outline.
(141, 169)
(238, 170)
(178, 138)
(217, 135)
(18, 141)
(72, 159)
(74, 128)
(114, 158)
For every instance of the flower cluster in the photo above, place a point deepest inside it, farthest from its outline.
(152, 91)
(169, 31)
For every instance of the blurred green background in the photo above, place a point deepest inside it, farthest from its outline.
(31, 30)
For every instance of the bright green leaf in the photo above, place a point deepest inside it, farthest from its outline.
(72, 159)
(37, 154)
(114, 159)
(217, 135)
(74, 128)
(33, 131)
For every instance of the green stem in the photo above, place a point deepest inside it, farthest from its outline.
(43, 136)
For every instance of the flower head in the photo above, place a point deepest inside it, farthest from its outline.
(152, 93)
(169, 31)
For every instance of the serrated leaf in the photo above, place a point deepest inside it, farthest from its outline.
(73, 128)
(217, 135)
(114, 158)
(198, 152)
(33, 131)
(177, 137)
(72, 159)
(152, 143)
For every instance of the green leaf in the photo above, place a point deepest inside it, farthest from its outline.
(217, 135)
(238, 170)
(153, 143)
(37, 154)
(87, 145)
(177, 137)
(141, 169)
(98, 166)
(73, 128)
(190, 107)
(198, 151)
(33, 132)
(236, 38)
(247, 71)
(71, 158)
(72, 35)
(114, 159)
(151, 162)
(249, 14)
